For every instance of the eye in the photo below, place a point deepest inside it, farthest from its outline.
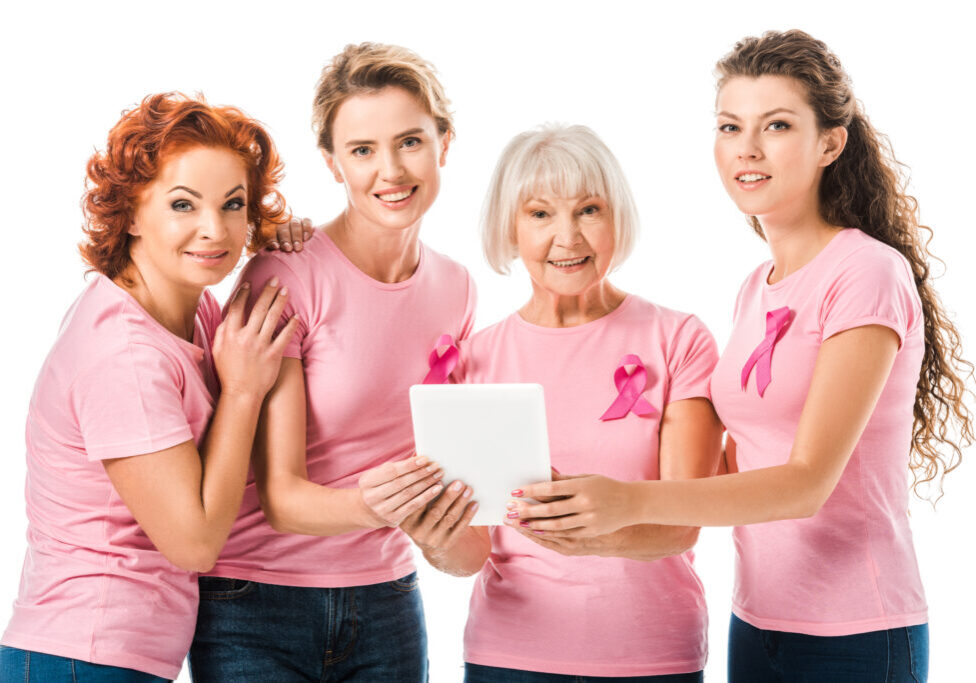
(234, 204)
(360, 151)
(410, 142)
(728, 128)
(779, 125)
(182, 205)
(590, 210)
(538, 214)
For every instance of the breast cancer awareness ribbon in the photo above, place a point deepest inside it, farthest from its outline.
(629, 385)
(442, 363)
(762, 357)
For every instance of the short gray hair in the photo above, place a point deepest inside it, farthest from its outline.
(565, 161)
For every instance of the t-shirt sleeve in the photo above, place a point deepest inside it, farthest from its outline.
(691, 361)
(870, 287)
(130, 403)
(471, 301)
(258, 271)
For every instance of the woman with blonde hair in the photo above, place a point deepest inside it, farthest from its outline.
(316, 581)
(626, 387)
(843, 370)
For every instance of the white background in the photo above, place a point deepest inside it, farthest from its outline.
(639, 74)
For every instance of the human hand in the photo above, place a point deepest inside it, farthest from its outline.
(247, 354)
(580, 506)
(606, 545)
(435, 529)
(291, 235)
(393, 491)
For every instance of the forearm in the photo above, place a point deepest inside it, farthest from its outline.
(295, 505)
(464, 558)
(789, 491)
(650, 542)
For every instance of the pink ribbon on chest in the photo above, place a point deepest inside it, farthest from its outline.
(762, 358)
(629, 385)
(442, 363)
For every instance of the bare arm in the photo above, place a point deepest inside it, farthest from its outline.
(853, 365)
(443, 534)
(186, 501)
(690, 446)
(386, 495)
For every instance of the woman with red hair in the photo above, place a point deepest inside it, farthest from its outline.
(129, 494)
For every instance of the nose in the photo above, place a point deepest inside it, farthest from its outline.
(749, 147)
(212, 226)
(568, 232)
(391, 168)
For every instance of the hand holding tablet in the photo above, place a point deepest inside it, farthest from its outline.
(492, 437)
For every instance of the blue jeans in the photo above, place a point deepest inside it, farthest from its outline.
(27, 667)
(250, 631)
(476, 673)
(898, 655)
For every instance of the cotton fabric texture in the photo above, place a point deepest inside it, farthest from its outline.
(537, 610)
(850, 568)
(115, 384)
(362, 344)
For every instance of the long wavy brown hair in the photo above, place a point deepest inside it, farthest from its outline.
(865, 188)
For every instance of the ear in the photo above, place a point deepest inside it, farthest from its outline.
(133, 229)
(445, 143)
(834, 140)
(333, 166)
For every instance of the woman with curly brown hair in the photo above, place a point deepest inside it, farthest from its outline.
(842, 370)
(140, 428)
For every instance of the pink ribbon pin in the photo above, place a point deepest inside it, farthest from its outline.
(442, 363)
(629, 385)
(762, 357)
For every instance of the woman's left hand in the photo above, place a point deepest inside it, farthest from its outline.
(291, 235)
(588, 505)
(607, 545)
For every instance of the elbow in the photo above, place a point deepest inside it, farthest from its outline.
(197, 558)
(689, 540)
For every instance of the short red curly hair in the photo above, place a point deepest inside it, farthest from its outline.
(142, 141)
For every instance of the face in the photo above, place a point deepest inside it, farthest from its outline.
(190, 224)
(566, 243)
(769, 150)
(388, 153)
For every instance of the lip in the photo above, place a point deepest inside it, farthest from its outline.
(570, 269)
(751, 185)
(401, 203)
(208, 257)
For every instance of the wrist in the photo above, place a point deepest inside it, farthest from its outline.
(635, 499)
(364, 515)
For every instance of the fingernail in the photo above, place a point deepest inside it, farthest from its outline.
(430, 468)
(538, 531)
(517, 493)
(307, 236)
(246, 285)
(474, 506)
(274, 281)
(524, 523)
(467, 492)
(286, 246)
(283, 292)
(456, 486)
(297, 245)
(511, 505)
(274, 245)
(513, 515)
(438, 474)
(420, 460)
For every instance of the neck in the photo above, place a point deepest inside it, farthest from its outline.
(173, 307)
(795, 238)
(548, 309)
(382, 253)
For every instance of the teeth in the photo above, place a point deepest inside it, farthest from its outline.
(751, 177)
(214, 256)
(572, 262)
(396, 196)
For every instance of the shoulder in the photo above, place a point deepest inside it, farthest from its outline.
(862, 252)
(444, 267)
(671, 322)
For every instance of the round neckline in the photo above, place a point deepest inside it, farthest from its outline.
(808, 265)
(192, 347)
(574, 329)
(389, 286)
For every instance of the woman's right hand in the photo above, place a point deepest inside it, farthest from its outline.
(393, 491)
(247, 354)
(436, 529)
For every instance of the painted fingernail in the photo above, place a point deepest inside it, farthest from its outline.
(517, 493)
(511, 505)
(513, 515)
(524, 523)
(456, 486)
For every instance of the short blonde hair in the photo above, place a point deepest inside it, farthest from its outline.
(565, 161)
(368, 68)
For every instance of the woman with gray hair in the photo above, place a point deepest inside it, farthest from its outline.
(626, 385)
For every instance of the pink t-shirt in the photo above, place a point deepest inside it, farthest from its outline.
(115, 384)
(537, 610)
(851, 567)
(362, 344)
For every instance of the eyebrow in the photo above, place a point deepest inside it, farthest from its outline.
(360, 143)
(230, 192)
(779, 110)
(186, 189)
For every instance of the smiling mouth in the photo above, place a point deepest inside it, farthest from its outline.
(396, 196)
(209, 255)
(569, 263)
(752, 177)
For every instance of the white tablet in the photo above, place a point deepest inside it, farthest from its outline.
(492, 437)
